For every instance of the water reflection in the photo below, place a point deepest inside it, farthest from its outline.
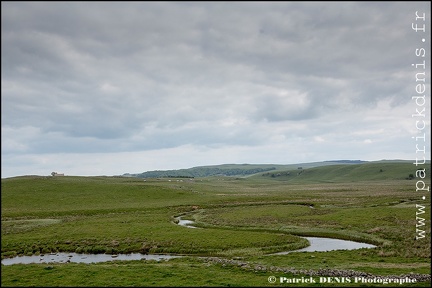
(319, 244)
(82, 258)
(185, 223)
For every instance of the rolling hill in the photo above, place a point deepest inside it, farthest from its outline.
(370, 171)
(238, 170)
(314, 172)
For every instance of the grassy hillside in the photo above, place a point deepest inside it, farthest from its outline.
(234, 169)
(371, 171)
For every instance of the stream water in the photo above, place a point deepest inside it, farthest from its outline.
(185, 223)
(329, 244)
(82, 258)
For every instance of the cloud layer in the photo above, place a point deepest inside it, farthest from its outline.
(128, 87)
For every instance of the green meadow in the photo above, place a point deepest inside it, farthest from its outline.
(240, 220)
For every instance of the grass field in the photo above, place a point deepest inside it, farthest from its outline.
(241, 220)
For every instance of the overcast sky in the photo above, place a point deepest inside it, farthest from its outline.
(107, 88)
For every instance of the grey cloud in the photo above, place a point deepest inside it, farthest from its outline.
(115, 76)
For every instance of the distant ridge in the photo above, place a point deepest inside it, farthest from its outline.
(384, 170)
(347, 161)
(239, 170)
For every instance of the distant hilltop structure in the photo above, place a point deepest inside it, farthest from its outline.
(57, 174)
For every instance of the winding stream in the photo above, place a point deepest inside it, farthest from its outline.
(316, 244)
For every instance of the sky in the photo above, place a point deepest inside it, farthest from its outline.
(107, 88)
